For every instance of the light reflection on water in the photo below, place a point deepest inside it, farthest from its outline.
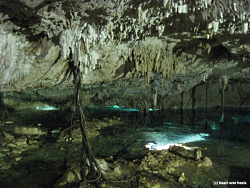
(171, 125)
(226, 143)
(165, 143)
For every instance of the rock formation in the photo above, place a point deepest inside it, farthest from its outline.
(130, 52)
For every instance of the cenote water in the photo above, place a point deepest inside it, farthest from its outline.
(126, 133)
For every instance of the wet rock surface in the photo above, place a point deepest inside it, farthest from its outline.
(36, 158)
(30, 155)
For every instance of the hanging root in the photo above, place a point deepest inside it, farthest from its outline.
(88, 158)
(91, 170)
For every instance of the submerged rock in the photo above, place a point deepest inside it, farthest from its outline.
(182, 178)
(206, 161)
(71, 177)
(165, 162)
(29, 130)
(8, 137)
(197, 154)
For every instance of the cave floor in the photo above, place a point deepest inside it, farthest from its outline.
(34, 142)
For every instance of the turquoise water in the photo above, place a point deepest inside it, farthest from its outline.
(226, 142)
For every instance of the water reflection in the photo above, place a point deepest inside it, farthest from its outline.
(125, 133)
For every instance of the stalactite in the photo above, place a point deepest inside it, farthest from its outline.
(181, 108)
(223, 84)
(193, 97)
(222, 105)
(206, 125)
(155, 98)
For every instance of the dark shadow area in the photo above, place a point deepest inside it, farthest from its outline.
(123, 135)
(31, 173)
(20, 14)
(239, 177)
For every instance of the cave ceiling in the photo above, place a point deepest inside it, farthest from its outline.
(125, 48)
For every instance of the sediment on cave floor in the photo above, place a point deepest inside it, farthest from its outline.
(133, 151)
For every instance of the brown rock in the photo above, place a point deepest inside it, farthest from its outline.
(206, 161)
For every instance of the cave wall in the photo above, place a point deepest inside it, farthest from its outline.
(235, 95)
(138, 53)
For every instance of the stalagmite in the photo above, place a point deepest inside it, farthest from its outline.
(155, 98)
